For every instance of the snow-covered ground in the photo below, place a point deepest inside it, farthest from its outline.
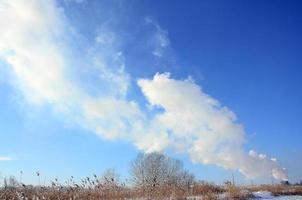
(264, 195)
(261, 195)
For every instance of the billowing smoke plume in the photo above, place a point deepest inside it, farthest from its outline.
(36, 41)
(199, 126)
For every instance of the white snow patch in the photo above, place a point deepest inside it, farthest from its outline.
(265, 195)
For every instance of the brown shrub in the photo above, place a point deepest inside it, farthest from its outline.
(206, 190)
(240, 193)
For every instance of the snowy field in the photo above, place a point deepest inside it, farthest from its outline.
(281, 198)
(263, 195)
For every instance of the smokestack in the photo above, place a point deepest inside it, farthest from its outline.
(233, 180)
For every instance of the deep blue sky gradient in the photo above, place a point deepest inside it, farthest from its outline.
(247, 54)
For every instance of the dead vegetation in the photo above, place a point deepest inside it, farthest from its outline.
(240, 193)
(207, 190)
(109, 188)
(152, 176)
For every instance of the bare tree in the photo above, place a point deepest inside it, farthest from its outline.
(110, 179)
(11, 182)
(154, 171)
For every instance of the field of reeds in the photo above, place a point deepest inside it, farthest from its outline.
(152, 176)
(93, 191)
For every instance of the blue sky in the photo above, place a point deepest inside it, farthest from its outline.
(86, 85)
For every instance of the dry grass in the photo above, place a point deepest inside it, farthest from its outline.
(109, 187)
(62, 193)
(240, 193)
(207, 190)
(93, 190)
(92, 193)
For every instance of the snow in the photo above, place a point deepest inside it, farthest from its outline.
(284, 198)
(264, 195)
(261, 195)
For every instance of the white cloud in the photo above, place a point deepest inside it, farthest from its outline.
(34, 32)
(115, 78)
(109, 117)
(74, 1)
(105, 37)
(208, 131)
(110, 61)
(159, 41)
(5, 158)
(28, 31)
